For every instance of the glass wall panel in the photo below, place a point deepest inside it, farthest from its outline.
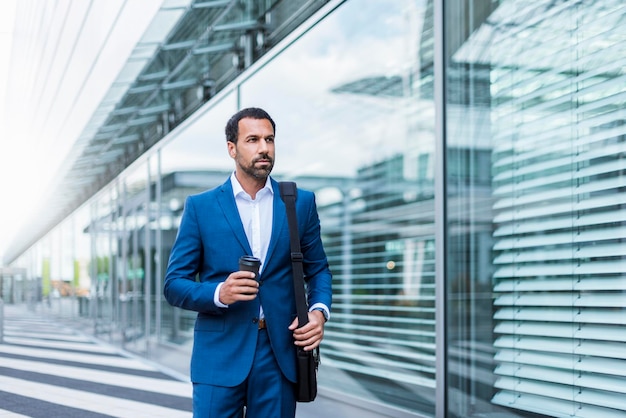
(43, 261)
(82, 250)
(68, 279)
(34, 284)
(353, 104)
(536, 144)
(59, 286)
(132, 245)
(194, 160)
(104, 290)
(152, 235)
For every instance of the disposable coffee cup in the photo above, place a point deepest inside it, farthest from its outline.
(250, 263)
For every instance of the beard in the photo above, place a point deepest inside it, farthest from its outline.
(253, 171)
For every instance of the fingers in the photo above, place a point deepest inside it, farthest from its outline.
(294, 324)
(239, 286)
(310, 339)
(310, 335)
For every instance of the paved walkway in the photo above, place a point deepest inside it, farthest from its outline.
(50, 370)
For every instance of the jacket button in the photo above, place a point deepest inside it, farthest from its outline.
(255, 320)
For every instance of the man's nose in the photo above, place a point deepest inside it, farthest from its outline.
(263, 146)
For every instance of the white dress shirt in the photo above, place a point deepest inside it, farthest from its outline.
(256, 216)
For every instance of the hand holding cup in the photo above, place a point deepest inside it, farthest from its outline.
(250, 263)
(239, 286)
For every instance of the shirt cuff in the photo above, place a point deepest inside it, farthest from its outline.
(216, 297)
(321, 307)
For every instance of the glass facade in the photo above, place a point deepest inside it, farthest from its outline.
(536, 103)
(532, 172)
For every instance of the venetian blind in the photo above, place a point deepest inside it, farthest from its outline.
(380, 244)
(559, 176)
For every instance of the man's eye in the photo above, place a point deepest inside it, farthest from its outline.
(269, 139)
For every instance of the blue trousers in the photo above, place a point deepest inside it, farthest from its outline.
(266, 393)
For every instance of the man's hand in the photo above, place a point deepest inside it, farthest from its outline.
(310, 335)
(239, 286)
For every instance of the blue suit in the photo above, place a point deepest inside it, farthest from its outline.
(210, 241)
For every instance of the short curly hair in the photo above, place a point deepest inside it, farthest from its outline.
(232, 127)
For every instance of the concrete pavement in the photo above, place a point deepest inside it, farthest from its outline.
(50, 369)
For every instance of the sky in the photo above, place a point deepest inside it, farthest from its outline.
(9, 183)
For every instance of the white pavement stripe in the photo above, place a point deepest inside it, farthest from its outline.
(33, 322)
(8, 414)
(46, 335)
(61, 345)
(122, 408)
(33, 326)
(149, 384)
(88, 359)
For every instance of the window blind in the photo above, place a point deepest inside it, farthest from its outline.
(559, 176)
(381, 254)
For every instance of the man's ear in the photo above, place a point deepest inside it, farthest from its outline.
(232, 149)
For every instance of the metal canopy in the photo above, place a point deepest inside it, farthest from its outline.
(191, 51)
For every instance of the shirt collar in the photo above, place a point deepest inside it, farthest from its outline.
(237, 189)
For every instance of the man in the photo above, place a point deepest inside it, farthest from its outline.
(246, 331)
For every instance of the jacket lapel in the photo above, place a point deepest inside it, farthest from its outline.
(278, 220)
(226, 200)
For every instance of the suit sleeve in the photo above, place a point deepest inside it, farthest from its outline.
(180, 286)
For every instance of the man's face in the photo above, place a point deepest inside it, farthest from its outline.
(254, 151)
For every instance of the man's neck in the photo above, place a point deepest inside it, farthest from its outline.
(250, 185)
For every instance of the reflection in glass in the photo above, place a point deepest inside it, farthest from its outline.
(355, 124)
(536, 258)
(195, 160)
(103, 300)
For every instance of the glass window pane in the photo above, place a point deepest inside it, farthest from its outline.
(536, 174)
(195, 159)
(353, 105)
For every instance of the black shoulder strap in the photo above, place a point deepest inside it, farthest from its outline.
(288, 193)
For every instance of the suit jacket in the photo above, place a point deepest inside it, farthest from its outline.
(210, 240)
